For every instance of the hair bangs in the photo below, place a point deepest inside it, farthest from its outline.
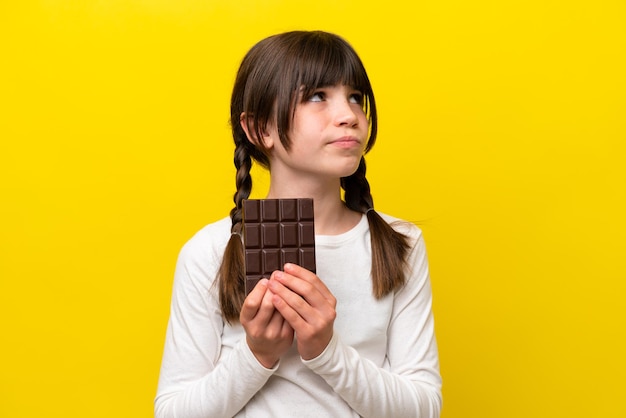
(328, 61)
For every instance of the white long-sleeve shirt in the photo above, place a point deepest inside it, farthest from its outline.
(381, 362)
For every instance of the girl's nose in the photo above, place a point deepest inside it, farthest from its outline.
(345, 114)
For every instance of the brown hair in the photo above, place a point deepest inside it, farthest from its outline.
(272, 76)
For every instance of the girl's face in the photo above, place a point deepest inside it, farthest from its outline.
(328, 136)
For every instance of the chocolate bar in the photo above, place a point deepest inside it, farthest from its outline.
(275, 232)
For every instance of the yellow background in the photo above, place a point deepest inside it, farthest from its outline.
(502, 130)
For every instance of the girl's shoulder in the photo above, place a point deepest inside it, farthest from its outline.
(208, 242)
(405, 227)
(214, 231)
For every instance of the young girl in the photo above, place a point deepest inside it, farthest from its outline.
(357, 339)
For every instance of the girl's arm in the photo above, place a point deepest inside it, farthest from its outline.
(198, 378)
(409, 385)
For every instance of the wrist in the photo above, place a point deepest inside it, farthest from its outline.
(269, 362)
(315, 350)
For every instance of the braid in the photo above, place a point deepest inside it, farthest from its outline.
(357, 190)
(243, 182)
(389, 247)
(231, 275)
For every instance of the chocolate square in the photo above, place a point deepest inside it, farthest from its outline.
(275, 232)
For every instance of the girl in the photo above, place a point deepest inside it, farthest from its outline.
(357, 339)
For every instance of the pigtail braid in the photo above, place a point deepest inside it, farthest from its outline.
(231, 275)
(357, 190)
(389, 247)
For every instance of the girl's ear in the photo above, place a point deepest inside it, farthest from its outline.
(247, 124)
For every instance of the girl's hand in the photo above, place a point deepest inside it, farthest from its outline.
(307, 305)
(268, 335)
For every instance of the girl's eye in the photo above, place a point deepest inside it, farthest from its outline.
(318, 96)
(356, 98)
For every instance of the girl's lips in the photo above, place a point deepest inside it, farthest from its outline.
(346, 142)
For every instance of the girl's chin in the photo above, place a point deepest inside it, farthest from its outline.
(349, 171)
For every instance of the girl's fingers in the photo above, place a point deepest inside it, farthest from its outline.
(258, 304)
(307, 305)
(287, 329)
(252, 303)
(306, 275)
(291, 315)
(314, 327)
(278, 327)
(298, 300)
(275, 324)
(306, 284)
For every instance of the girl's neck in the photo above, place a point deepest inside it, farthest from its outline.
(332, 216)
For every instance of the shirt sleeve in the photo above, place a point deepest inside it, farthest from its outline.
(192, 382)
(411, 384)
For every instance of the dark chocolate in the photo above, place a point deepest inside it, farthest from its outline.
(275, 232)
